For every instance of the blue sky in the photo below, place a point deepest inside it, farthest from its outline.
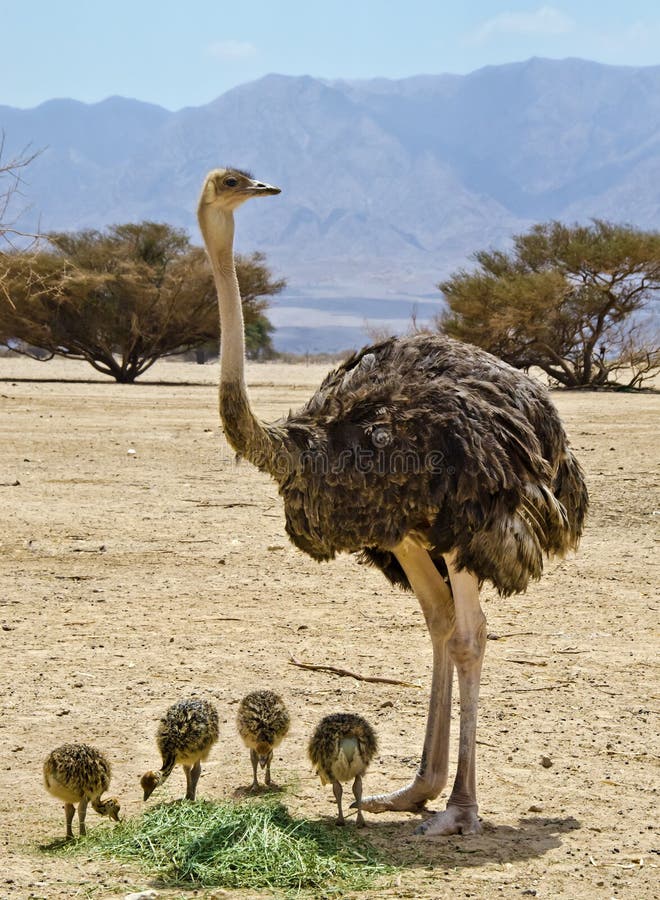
(187, 52)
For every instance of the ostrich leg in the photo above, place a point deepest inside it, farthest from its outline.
(192, 777)
(357, 793)
(82, 812)
(69, 812)
(437, 605)
(254, 759)
(466, 648)
(338, 791)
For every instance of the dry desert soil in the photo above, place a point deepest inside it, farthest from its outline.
(131, 579)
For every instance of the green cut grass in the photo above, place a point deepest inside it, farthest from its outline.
(253, 844)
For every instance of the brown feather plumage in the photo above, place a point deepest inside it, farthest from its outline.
(430, 436)
(185, 736)
(79, 774)
(325, 746)
(262, 718)
(263, 722)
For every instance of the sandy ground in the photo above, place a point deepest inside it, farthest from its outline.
(130, 580)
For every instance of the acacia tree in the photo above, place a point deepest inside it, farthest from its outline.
(123, 298)
(572, 300)
(11, 171)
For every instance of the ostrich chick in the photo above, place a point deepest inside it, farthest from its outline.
(263, 721)
(341, 748)
(77, 773)
(185, 736)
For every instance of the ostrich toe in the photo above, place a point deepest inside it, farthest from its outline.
(453, 820)
(412, 798)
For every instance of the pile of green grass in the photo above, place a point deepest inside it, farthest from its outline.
(253, 844)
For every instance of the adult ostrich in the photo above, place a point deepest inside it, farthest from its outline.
(435, 461)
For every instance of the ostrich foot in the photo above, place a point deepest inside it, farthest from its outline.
(453, 820)
(412, 798)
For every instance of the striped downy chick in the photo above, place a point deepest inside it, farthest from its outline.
(185, 736)
(77, 773)
(263, 722)
(341, 748)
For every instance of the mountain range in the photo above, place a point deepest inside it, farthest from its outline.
(387, 185)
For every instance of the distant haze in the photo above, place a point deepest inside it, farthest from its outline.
(387, 186)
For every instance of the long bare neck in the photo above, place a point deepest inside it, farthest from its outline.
(243, 430)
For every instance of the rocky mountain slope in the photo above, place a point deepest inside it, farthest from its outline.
(387, 185)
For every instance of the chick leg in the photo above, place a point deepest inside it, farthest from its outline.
(69, 812)
(82, 812)
(254, 758)
(192, 777)
(337, 788)
(267, 775)
(357, 793)
(195, 773)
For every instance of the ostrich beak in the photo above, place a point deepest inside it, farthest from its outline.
(261, 189)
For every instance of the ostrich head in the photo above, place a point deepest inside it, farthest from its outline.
(226, 189)
(149, 782)
(109, 808)
(264, 751)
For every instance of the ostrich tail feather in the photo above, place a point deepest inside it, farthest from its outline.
(571, 490)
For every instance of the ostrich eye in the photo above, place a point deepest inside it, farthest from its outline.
(231, 182)
(381, 437)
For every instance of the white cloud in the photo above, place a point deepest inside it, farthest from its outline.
(546, 21)
(232, 51)
(637, 35)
